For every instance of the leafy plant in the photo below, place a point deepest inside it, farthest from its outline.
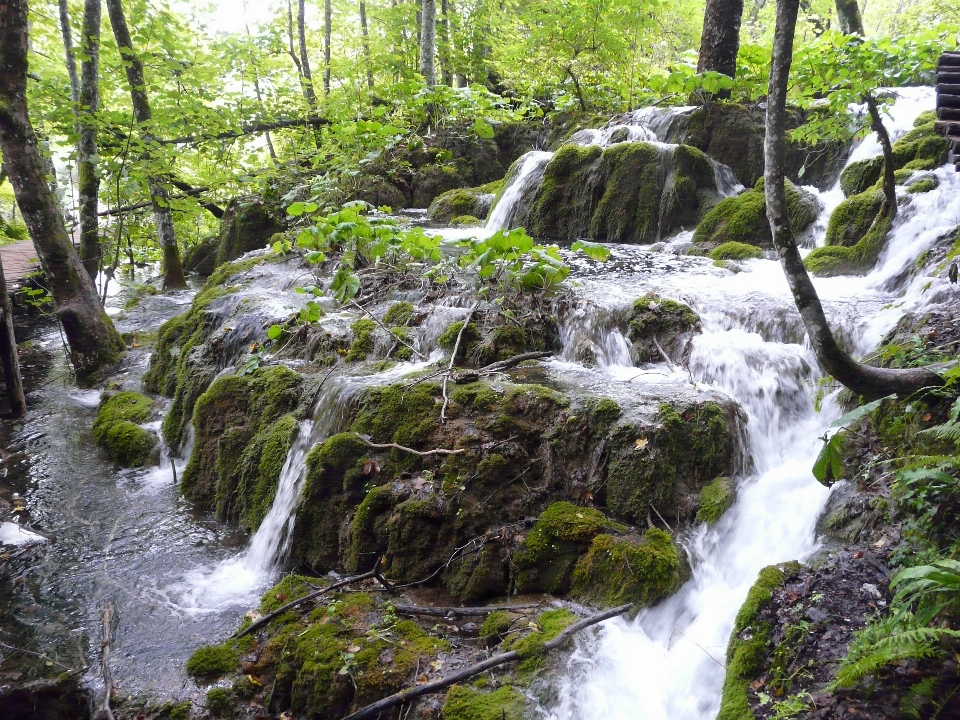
(829, 463)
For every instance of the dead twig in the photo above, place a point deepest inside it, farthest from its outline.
(468, 672)
(663, 354)
(453, 358)
(513, 362)
(422, 453)
(661, 517)
(460, 611)
(105, 713)
(400, 340)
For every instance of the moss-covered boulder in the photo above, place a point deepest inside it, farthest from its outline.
(854, 259)
(853, 217)
(735, 251)
(923, 184)
(212, 661)
(117, 429)
(243, 431)
(546, 557)
(629, 569)
(657, 323)
(466, 703)
(715, 499)
(628, 192)
(247, 224)
(859, 176)
(743, 218)
(474, 202)
(202, 257)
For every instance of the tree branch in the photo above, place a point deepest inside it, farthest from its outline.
(394, 446)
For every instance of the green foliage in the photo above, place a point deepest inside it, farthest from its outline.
(829, 465)
(715, 499)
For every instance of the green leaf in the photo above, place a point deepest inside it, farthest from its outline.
(857, 413)
(274, 331)
(829, 464)
(594, 251)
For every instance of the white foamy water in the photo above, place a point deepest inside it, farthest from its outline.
(529, 172)
(666, 664)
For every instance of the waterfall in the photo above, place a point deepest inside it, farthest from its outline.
(667, 663)
(529, 172)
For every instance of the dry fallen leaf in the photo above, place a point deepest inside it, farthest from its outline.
(353, 648)
(641, 443)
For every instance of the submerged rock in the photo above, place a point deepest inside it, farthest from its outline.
(658, 326)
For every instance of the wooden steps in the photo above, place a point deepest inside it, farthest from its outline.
(948, 102)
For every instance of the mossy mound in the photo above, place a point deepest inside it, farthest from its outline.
(243, 431)
(618, 570)
(488, 339)
(117, 428)
(850, 260)
(923, 185)
(473, 202)
(202, 257)
(212, 661)
(247, 224)
(735, 251)
(715, 499)
(852, 219)
(546, 557)
(860, 176)
(743, 218)
(749, 643)
(659, 321)
(465, 703)
(466, 221)
(628, 192)
(363, 340)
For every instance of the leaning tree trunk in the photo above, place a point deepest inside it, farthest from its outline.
(889, 207)
(428, 41)
(159, 195)
(88, 175)
(93, 340)
(851, 22)
(8, 352)
(327, 29)
(306, 76)
(870, 382)
(71, 61)
(366, 43)
(720, 41)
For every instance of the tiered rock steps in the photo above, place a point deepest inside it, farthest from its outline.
(948, 101)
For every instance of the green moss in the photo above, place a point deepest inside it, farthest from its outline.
(629, 209)
(715, 499)
(853, 217)
(468, 341)
(858, 177)
(462, 202)
(261, 464)
(465, 221)
(116, 428)
(563, 204)
(395, 413)
(519, 395)
(399, 314)
(735, 251)
(220, 701)
(212, 661)
(497, 623)
(465, 703)
(621, 570)
(923, 185)
(477, 396)
(654, 320)
(602, 412)
(129, 406)
(546, 557)
(362, 344)
(504, 342)
(858, 258)
(531, 647)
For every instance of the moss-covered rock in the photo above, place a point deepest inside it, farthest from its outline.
(243, 432)
(654, 321)
(735, 251)
(850, 260)
(220, 701)
(715, 499)
(247, 224)
(743, 218)
(474, 202)
(852, 218)
(923, 185)
(465, 703)
(117, 429)
(618, 570)
(202, 257)
(212, 661)
(860, 176)
(363, 340)
(546, 557)
(466, 221)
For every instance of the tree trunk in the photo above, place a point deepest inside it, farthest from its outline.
(366, 43)
(306, 76)
(446, 49)
(71, 61)
(327, 29)
(8, 352)
(256, 87)
(428, 38)
(88, 176)
(889, 208)
(851, 22)
(93, 340)
(159, 195)
(720, 41)
(870, 382)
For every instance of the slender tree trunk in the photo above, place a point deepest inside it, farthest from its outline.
(256, 87)
(577, 88)
(851, 21)
(8, 352)
(720, 41)
(88, 176)
(93, 340)
(71, 61)
(159, 195)
(327, 30)
(293, 53)
(446, 62)
(306, 76)
(366, 43)
(870, 382)
(889, 208)
(428, 41)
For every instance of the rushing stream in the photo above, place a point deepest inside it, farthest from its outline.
(180, 579)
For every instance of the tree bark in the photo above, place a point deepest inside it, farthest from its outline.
(8, 352)
(428, 39)
(870, 382)
(851, 22)
(256, 87)
(889, 207)
(159, 195)
(366, 43)
(446, 49)
(327, 30)
(88, 176)
(93, 340)
(71, 61)
(306, 76)
(720, 41)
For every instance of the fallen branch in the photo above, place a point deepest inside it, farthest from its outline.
(149, 203)
(453, 358)
(663, 353)
(379, 322)
(468, 672)
(513, 362)
(394, 446)
(459, 611)
(105, 713)
(293, 603)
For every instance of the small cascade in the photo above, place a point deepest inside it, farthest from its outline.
(529, 173)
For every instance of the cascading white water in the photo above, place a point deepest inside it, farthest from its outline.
(529, 171)
(667, 663)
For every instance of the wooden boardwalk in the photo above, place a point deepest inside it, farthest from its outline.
(948, 101)
(18, 259)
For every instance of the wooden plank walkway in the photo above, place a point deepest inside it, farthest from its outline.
(948, 101)
(18, 258)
